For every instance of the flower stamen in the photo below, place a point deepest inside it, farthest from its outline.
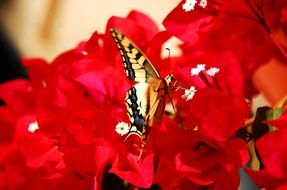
(203, 3)
(198, 69)
(189, 5)
(212, 71)
(189, 93)
(33, 127)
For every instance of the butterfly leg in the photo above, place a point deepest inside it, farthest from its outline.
(141, 152)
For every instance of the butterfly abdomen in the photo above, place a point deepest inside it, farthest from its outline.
(156, 100)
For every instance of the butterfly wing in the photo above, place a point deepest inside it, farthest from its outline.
(146, 104)
(145, 100)
(137, 103)
(136, 64)
(156, 99)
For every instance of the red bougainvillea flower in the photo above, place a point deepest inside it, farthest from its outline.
(71, 132)
(26, 154)
(240, 26)
(80, 102)
(272, 150)
(212, 109)
(189, 158)
(16, 100)
(218, 108)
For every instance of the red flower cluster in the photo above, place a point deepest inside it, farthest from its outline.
(59, 130)
(272, 151)
(245, 27)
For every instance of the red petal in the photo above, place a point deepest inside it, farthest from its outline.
(187, 29)
(139, 173)
(272, 148)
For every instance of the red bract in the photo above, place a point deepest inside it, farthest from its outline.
(88, 93)
(7, 120)
(272, 151)
(28, 155)
(138, 172)
(34, 146)
(65, 136)
(194, 22)
(138, 26)
(87, 87)
(238, 26)
(263, 179)
(212, 165)
(274, 12)
(215, 119)
(18, 95)
(206, 153)
(189, 158)
(218, 108)
(216, 15)
(283, 20)
(17, 100)
(91, 159)
(69, 179)
(274, 154)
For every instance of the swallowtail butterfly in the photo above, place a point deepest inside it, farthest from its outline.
(145, 100)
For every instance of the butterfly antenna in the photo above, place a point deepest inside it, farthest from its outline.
(168, 58)
(168, 52)
(172, 104)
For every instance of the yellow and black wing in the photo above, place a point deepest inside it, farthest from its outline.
(136, 64)
(137, 104)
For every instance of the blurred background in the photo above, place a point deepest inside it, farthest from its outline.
(47, 27)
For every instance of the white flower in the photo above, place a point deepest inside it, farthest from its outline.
(203, 3)
(84, 53)
(198, 69)
(122, 128)
(189, 93)
(189, 5)
(33, 127)
(212, 71)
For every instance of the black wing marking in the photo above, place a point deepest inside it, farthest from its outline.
(136, 64)
(135, 113)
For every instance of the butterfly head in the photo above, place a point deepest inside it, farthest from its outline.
(170, 82)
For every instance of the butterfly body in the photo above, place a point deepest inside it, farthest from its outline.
(145, 100)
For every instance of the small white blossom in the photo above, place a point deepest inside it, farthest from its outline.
(33, 127)
(84, 53)
(189, 5)
(203, 3)
(122, 128)
(212, 71)
(198, 69)
(189, 93)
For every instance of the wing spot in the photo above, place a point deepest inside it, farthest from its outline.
(133, 61)
(131, 55)
(141, 60)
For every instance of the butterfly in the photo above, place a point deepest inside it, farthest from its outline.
(145, 100)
